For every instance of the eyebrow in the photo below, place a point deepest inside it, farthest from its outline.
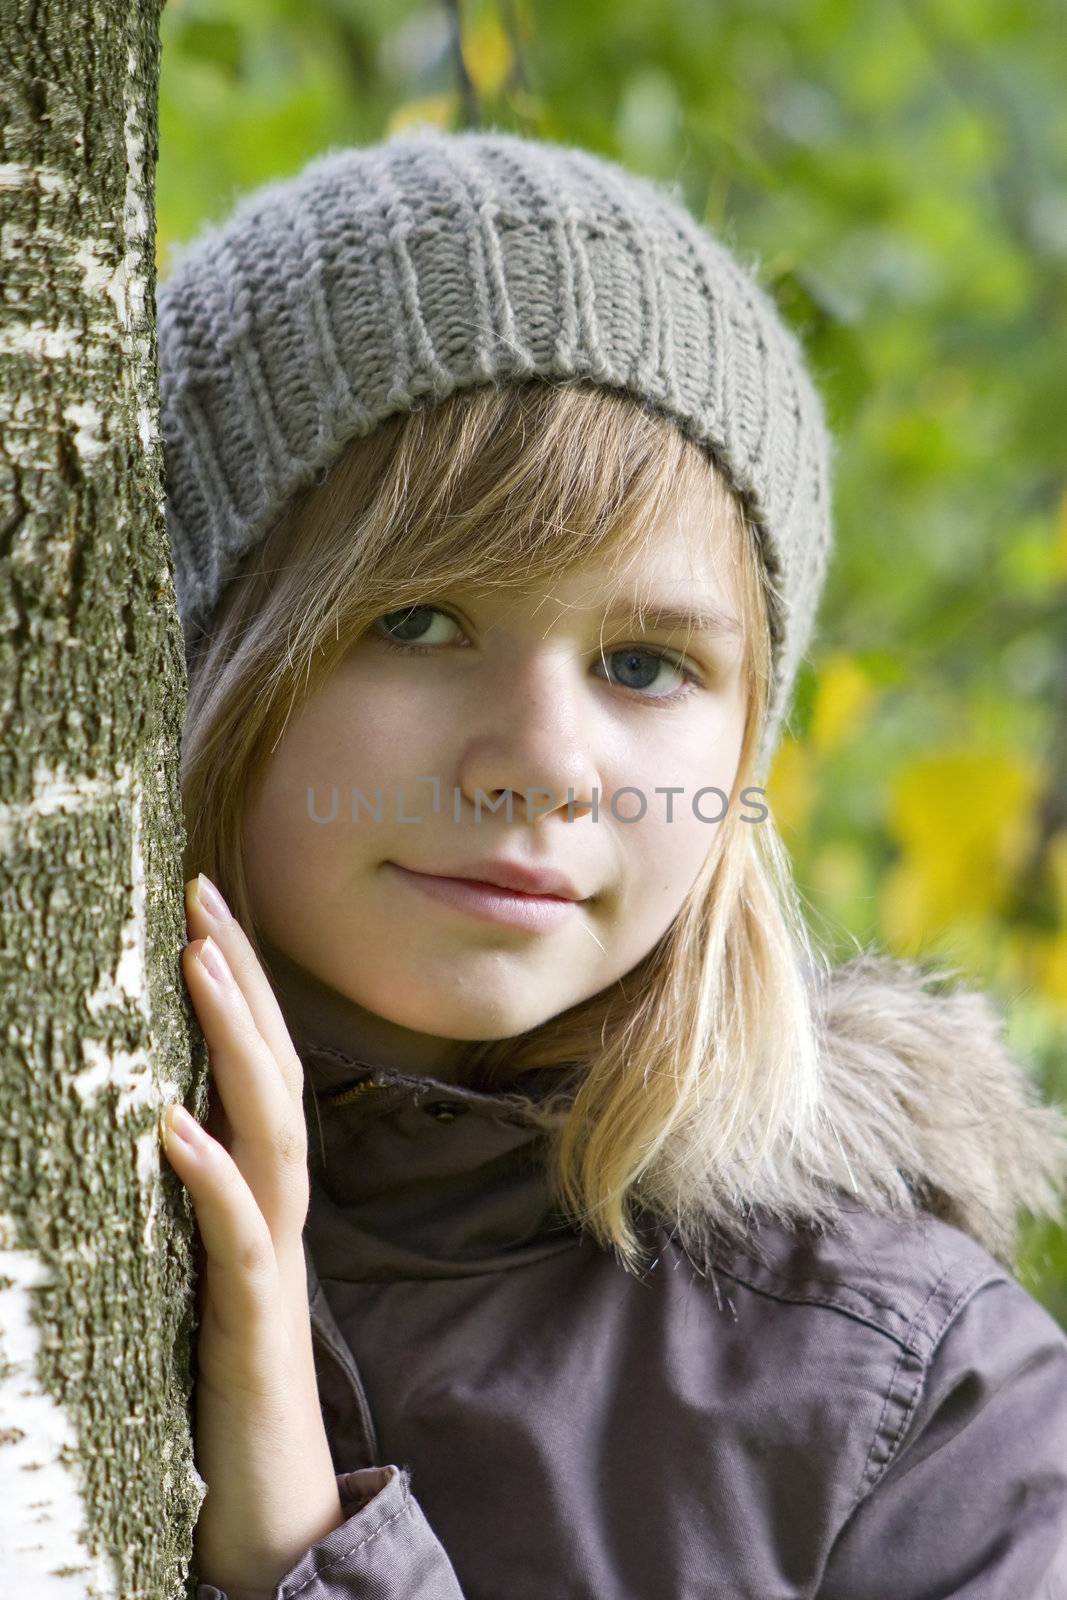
(709, 620)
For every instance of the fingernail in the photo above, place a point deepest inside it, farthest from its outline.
(210, 956)
(176, 1120)
(180, 1122)
(211, 899)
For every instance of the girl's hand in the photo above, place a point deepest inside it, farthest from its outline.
(260, 1444)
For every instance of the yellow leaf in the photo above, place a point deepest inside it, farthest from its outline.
(436, 110)
(843, 696)
(487, 55)
(965, 823)
(1054, 969)
(1037, 963)
(902, 901)
(791, 786)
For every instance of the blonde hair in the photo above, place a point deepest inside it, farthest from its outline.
(694, 1075)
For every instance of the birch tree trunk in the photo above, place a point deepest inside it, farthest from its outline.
(98, 1494)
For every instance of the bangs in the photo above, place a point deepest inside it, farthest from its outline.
(497, 487)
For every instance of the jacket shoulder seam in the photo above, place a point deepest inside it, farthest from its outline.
(919, 1332)
(909, 1376)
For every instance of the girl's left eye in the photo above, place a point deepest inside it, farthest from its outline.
(412, 617)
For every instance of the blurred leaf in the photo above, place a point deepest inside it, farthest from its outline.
(1054, 969)
(1059, 560)
(839, 875)
(649, 117)
(487, 55)
(791, 785)
(1036, 554)
(843, 697)
(214, 39)
(964, 822)
(435, 111)
(1057, 870)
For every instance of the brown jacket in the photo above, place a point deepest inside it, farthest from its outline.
(875, 1413)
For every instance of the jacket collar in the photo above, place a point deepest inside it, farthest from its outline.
(414, 1177)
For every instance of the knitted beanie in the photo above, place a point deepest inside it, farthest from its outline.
(402, 272)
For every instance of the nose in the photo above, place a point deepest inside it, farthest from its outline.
(531, 733)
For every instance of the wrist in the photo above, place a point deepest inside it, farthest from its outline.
(245, 1572)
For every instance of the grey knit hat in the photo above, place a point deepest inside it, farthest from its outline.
(434, 262)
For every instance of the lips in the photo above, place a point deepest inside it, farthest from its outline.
(512, 875)
(489, 902)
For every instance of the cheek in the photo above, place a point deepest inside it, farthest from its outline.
(365, 735)
(298, 829)
(278, 847)
(664, 850)
(667, 856)
(325, 753)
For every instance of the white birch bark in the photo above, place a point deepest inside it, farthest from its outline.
(98, 1494)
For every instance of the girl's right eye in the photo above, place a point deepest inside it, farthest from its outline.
(412, 620)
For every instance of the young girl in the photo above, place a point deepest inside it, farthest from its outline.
(570, 1226)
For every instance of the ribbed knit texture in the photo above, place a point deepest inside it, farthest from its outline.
(434, 262)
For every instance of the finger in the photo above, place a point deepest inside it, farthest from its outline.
(241, 1264)
(255, 986)
(269, 1134)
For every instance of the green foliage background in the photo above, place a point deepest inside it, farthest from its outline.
(897, 173)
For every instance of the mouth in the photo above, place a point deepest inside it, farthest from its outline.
(542, 882)
(490, 902)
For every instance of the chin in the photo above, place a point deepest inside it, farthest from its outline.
(463, 1024)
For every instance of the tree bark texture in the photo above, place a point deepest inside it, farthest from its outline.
(98, 1491)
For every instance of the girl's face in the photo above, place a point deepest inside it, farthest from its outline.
(495, 695)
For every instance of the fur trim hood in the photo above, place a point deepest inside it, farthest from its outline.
(919, 1081)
